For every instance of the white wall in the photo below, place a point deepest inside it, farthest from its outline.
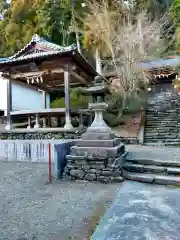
(3, 94)
(23, 98)
(27, 98)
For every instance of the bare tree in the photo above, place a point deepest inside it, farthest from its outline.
(126, 40)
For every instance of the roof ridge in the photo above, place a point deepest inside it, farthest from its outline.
(38, 39)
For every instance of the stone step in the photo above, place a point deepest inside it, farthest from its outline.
(162, 125)
(161, 137)
(151, 161)
(162, 141)
(141, 168)
(157, 143)
(162, 131)
(161, 119)
(166, 110)
(158, 113)
(156, 119)
(153, 178)
(157, 134)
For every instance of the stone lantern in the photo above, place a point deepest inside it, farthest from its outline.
(98, 105)
(98, 155)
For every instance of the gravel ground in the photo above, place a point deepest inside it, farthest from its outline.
(34, 210)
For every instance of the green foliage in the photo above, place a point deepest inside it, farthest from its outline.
(175, 11)
(77, 100)
(51, 19)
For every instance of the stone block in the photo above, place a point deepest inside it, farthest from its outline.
(77, 173)
(98, 151)
(92, 170)
(107, 173)
(117, 173)
(96, 162)
(72, 166)
(104, 179)
(98, 166)
(118, 150)
(74, 157)
(80, 162)
(86, 166)
(100, 143)
(90, 176)
(118, 179)
(96, 135)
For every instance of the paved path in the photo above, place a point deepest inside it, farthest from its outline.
(142, 212)
(155, 153)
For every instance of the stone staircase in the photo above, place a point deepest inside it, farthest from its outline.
(153, 165)
(163, 118)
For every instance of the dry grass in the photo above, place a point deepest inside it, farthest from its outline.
(93, 222)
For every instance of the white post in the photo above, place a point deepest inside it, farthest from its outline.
(29, 122)
(78, 42)
(68, 124)
(81, 120)
(8, 126)
(98, 62)
(37, 125)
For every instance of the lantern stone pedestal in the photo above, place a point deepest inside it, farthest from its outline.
(98, 155)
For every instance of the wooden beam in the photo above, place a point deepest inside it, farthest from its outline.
(36, 73)
(78, 70)
(78, 77)
(25, 84)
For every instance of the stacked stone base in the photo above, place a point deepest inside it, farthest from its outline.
(99, 169)
(96, 160)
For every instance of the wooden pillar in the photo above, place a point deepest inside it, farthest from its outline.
(8, 126)
(44, 94)
(44, 106)
(68, 124)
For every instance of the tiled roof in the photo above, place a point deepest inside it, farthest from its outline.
(3, 59)
(37, 47)
(35, 56)
(160, 63)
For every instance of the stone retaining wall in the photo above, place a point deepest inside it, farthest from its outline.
(40, 136)
(95, 169)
